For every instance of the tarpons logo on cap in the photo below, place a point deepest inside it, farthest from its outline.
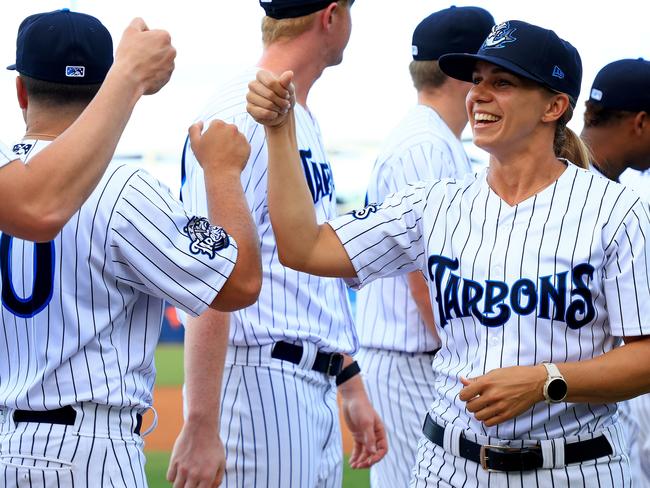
(596, 94)
(500, 36)
(75, 71)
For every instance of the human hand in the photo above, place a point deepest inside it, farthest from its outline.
(145, 56)
(222, 147)
(198, 459)
(271, 98)
(363, 422)
(503, 393)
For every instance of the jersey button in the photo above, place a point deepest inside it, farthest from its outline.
(497, 270)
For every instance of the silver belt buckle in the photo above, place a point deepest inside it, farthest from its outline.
(483, 454)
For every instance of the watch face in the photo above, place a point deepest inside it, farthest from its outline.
(557, 389)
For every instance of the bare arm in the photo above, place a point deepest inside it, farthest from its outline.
(303, 244)
(198, 454)
(222, 152)
(420, 293)
(59, 179)
(617, 375)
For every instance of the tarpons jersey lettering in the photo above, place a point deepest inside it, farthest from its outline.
(319, 176)
(494, 302)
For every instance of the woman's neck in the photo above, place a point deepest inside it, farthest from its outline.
(519, 176)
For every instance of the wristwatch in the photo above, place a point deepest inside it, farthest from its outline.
(555, 388)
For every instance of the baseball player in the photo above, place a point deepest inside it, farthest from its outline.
(279, 421)
(76, 161)
(617, 131)
(394, 317)
(536, 269)
(81, 314)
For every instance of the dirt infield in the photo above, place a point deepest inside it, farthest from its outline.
(169, 405)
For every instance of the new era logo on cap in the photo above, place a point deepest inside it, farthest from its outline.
(75, 71)
(596, 94)
(557, 72)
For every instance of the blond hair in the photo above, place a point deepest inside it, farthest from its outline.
(568, 145)
(426, 74)
(274, 30)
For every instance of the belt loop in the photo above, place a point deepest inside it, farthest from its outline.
(548, 454)
(452, 439)
(558, 451)
(309, 352)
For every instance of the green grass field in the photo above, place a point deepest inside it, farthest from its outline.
(169, 366)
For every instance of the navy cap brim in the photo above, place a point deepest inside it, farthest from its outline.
(461, 66)
(11, 67)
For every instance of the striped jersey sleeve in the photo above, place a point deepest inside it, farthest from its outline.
(385, 240)
(626, 275)
(6, 155)
(162, 251)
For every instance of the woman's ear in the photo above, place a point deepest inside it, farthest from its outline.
(558, 104)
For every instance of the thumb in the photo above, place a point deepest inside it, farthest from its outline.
(286, 78)
(467, 381)
(195, 131)
(138, 24)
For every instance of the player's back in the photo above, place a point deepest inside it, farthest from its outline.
(81, 314)
(292, 305)
(421, 147)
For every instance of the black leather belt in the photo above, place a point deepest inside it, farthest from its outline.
(330, 363)
(504, 458)
(61, 416)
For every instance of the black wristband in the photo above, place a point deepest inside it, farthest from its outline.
(350, 371)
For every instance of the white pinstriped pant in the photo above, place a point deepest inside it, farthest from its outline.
(279, 422)
(438, 467)
(99, 450)
(400, 388)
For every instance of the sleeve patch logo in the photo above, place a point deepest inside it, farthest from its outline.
(206, 238)
(363, 213)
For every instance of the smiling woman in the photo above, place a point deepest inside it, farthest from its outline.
(534, 267)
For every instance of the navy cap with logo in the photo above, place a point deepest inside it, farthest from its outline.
(452, 30)
(526, 50)
(623, 85)
(288, 9)
(63, 47)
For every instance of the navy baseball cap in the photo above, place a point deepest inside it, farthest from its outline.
(288, 9)
(63, 47)
(452, 30)
(526, 50)
(623, 85)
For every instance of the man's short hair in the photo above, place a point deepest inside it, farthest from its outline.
(598, 116)
(426, 74)
(274, 30)
(59, 94)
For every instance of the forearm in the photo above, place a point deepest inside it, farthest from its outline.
(290, 204)
(206, 342)
(227, 207)
(618, 375)
(420, 293)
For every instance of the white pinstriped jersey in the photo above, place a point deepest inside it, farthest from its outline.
(559, 277)
(81, 314)
(292, 305)
(5, 155)
(420, 148)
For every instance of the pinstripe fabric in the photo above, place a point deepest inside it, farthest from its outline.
(279, 424)
(6, 155)
(420, 148)
(81, 317)
(292, 306)
(541, 245)
(99, 450)
(400, 387)
(437, 467)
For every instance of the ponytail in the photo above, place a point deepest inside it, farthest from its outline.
(568, 145)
